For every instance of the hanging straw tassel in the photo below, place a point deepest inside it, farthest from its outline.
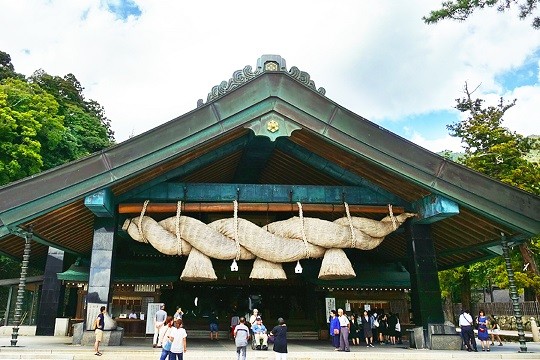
(267, 270)
(335, 265)
(198, 268)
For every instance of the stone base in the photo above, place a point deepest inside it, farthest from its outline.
(416, 338)
(445, 342)
(83, 337)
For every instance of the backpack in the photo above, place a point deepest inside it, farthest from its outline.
(241, 339)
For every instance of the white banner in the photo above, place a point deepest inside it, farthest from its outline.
(150, 315)
(330, 305)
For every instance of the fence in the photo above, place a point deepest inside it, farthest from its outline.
(528, 308)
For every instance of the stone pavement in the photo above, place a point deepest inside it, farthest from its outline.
(60, 348)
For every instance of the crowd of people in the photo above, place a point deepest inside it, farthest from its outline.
(369, 328)
(485, 326)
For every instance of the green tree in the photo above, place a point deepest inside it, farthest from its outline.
(461, 9)
(499, 153)
(45, 121)
(29, 126)
(7, 70)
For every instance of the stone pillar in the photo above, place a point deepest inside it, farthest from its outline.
(426, 299)
(100, 279)
(51, 293)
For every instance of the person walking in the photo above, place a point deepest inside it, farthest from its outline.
(280, 339)
(483, 333)
(159, 329)
(467, 332)
(344, 325)
(334, 329)
(495, 331)
(241, 338)
(99, 326)
(178, 341)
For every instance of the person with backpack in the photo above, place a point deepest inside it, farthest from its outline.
(241, 339)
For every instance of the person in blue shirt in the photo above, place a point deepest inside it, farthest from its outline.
(334, 329)
(260, 332)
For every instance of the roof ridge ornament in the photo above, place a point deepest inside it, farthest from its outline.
(266, 63)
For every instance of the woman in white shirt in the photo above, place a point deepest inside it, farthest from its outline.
(178, 338)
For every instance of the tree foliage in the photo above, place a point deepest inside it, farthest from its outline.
(45, 121)
(461, 9)
(501, 154)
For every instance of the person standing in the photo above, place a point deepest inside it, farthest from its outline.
(213, 323)
(280, 339)
(483, 334)
(159, 328)
(334, 329)
(354, 333)
(344, 325)
(100, 325)
(467, 332)
(253, 317)
(178, 341)
(166, 350)
(179, 313)
(367, 325)
(241, 338)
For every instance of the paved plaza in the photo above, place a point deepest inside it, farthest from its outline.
(60, 348)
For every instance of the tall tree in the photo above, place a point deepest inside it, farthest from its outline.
(462, 9)
(499, 153)
(29, 126)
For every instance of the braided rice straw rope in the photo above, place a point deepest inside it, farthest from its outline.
(281, 241)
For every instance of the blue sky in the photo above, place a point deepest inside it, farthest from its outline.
(148, 61)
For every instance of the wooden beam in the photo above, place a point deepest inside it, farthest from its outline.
(254, 207)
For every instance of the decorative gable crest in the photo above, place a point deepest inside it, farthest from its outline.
(266, 63)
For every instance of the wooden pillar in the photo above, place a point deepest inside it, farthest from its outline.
(425, 290)
(51, 292)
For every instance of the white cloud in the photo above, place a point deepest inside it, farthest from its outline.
(380, 61)
(437, 144)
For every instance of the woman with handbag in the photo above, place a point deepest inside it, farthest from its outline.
(334, 329)
(166, 348)
(483, 334)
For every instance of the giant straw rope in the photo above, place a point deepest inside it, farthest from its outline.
(289, 240)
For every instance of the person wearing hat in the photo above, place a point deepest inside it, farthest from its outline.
(260, 332)
(280, 339)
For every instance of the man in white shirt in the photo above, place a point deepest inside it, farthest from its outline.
(343, 331)
(133, 315)
(467, 332)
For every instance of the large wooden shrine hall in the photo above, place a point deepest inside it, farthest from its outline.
(267, 195)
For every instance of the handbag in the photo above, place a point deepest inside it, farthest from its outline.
(482, 329)
(376, 323)
(336, 331)
(168, 343)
